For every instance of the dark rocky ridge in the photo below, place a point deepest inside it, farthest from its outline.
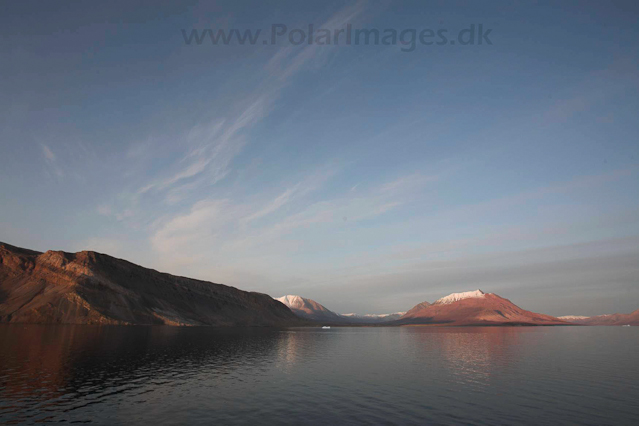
(94, 288)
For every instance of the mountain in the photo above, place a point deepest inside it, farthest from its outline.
(309, 309)
(372, 318)
(611, 319)
(474, 308)
(572, 318)
(417, 308)
(93, 288)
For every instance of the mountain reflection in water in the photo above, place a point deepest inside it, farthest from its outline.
(200, 375)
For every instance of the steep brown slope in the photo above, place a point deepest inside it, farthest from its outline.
(613, 319)
(475, 308)
(416, 310)
(94, 288)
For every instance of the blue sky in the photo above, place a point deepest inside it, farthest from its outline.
(364, 177)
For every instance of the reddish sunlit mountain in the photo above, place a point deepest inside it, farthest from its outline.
(93, 288)
(474, 308)
(309, 309)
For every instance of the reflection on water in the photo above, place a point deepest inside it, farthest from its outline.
(472, 355)
(200, 375)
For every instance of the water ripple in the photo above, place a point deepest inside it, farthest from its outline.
(167, 375)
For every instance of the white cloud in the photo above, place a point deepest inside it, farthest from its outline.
(408, 183)
(104, 210)
(274, 205)
(47, 153)
(127, 213)
(211, 147)
(51, 160)
(217, 229)
(190, 232)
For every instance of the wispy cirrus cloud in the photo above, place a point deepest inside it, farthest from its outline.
(225, 229)
(274, 205)
(51, 160)
(291, 60)
(184, 233)
(210, 147)
(307, 185)
(409, 183)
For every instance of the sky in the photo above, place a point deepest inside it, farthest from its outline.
(367, 177)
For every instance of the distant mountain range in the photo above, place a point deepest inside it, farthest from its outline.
(611, 319)
(459, 309)
(94, 288)
(467, 308)
(374, 318)
(310, 309)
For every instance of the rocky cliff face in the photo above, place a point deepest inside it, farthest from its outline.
(93, 288)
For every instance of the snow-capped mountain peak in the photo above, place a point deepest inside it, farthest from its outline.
(307, 308)
(354, 315)
(292, 301)
(573, 317)
(454, 297)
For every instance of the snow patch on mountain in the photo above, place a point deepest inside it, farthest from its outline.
(291, 301)
(353, 315)
(573, 317)
(455, 297)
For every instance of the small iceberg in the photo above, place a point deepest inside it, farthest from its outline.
(625, 325)
(326, 326)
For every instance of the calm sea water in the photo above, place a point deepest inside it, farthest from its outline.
(172, 375)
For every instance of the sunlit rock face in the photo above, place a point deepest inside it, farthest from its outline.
(475, 308)
(93, 288)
